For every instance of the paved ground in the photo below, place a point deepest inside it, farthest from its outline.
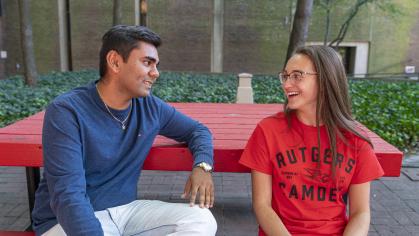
(394, 201)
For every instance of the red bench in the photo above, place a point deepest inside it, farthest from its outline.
(16, 233)
(231, 125)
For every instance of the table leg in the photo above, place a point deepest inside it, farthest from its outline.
(33, 177)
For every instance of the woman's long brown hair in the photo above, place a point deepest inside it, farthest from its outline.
(333, 106)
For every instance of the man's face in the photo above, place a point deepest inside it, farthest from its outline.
(138, 74)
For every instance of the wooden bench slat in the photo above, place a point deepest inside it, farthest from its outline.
(231, 125)
(16, 233)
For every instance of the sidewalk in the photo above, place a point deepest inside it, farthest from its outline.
(394, 201)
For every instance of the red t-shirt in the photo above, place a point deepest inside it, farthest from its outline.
(306, 197)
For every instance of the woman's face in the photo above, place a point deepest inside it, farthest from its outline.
(300, 86)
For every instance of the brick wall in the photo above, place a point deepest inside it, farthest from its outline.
(255, 34)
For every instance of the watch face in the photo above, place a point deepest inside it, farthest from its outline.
(205, 166)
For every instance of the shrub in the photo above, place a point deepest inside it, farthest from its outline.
(192, 87)
(387, 108)
(18, 100)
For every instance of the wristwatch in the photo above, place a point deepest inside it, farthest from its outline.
(205, 166)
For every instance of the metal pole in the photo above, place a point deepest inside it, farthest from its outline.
(217, 37)
(68, 28)
(62, 24)
(33, 178)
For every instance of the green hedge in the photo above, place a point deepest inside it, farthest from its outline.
(387, 108)
(190, 87)
(390, 109)
(18, 101)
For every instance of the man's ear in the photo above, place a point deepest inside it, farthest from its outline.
(114, 61)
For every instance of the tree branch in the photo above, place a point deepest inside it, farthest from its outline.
(345, 26)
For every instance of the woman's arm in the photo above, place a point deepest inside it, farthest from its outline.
(262, 198)
(359, 209)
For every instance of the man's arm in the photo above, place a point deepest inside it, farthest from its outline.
(65, 174)
(262, 205)
(176, 125)
(359, 209)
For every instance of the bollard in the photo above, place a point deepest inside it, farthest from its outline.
(245, 91)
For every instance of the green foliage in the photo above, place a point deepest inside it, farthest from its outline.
(387, 108)
(192, 87)
(18, 100)
(267, 89)
(392, 9)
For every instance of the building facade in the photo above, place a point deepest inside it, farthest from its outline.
(218, 35)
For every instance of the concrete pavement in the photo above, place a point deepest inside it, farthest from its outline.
(394, 200)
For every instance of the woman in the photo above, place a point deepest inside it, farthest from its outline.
(306, 159)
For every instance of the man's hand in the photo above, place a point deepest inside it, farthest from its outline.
(200, 181)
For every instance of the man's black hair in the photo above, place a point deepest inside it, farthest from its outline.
(123, 39)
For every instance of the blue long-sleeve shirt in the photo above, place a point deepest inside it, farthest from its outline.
(91, 164)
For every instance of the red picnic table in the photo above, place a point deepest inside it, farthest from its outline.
(230, 124)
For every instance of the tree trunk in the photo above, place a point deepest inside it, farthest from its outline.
(27, 43)
(2, 60)
(327, 31)
(64, 29)
(143, 12)
(117, 12)
(300, 26)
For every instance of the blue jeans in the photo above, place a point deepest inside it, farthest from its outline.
(152, 217)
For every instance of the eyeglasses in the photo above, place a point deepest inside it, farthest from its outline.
(295, 76)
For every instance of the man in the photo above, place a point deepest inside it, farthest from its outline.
(95, 140)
